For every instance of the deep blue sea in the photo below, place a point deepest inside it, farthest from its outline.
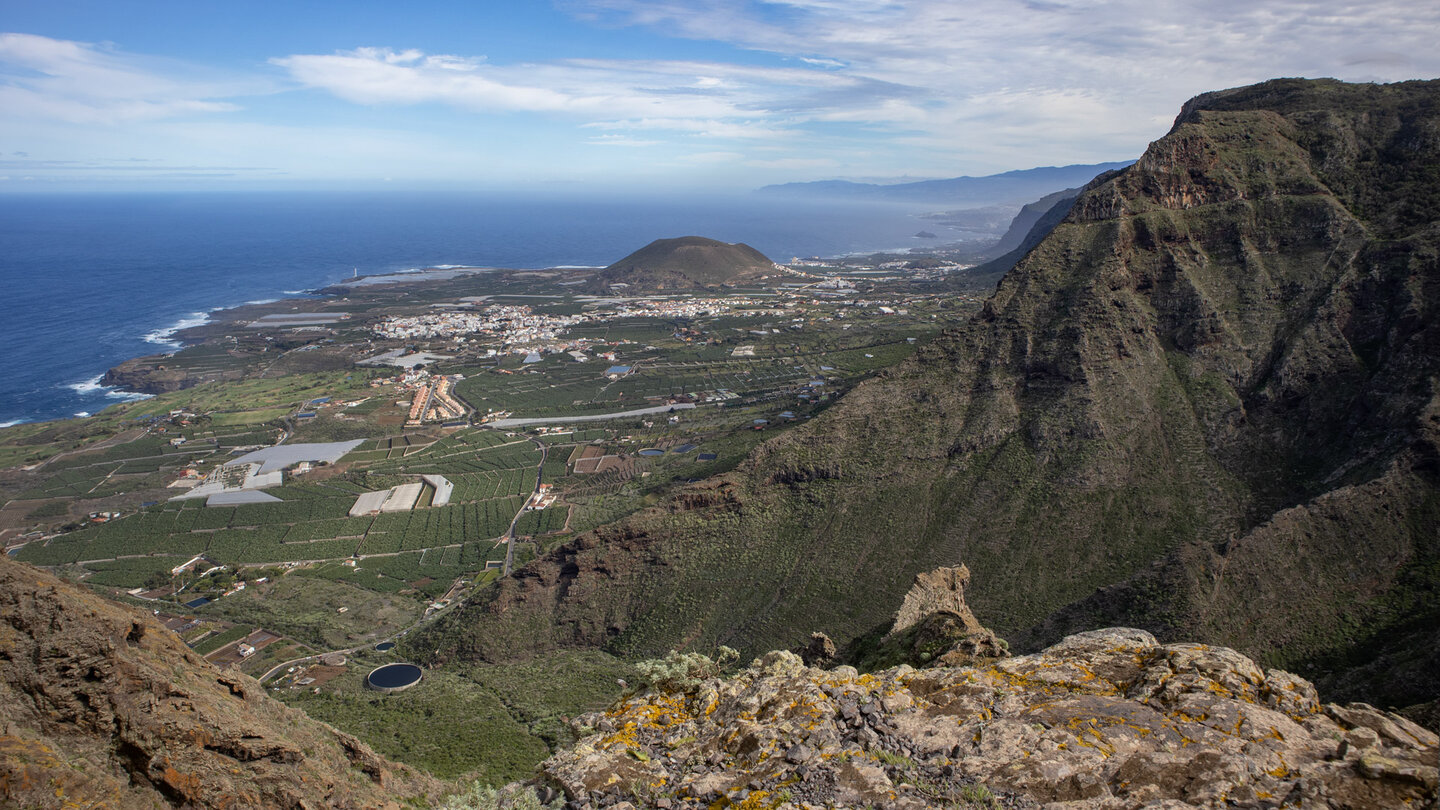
(91, 280)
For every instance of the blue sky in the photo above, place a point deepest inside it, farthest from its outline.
(637, 94)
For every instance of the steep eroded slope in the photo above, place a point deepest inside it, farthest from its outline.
(1211, 389)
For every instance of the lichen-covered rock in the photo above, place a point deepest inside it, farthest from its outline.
(1106, 719)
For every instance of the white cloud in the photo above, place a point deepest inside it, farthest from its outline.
(83, 83)
(1045, 74)
(808, 88)
(792, 163)
(729, 98)
(620, 140)
(712, 157)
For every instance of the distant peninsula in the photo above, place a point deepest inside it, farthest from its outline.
(1014, 187)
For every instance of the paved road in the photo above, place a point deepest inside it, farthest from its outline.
(510, 535)
(594, 417)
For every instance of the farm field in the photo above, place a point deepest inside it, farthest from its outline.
(91, 498)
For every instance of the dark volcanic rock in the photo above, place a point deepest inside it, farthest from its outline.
(153, 374)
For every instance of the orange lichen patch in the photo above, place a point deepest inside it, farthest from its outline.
(1283, 770)
(183, 783)
(1080, 678)
(656, 715)
(756, 801)
(1089, 733)
(1218, 689)
(626, 736)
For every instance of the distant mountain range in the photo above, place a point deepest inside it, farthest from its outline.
(1015, 187)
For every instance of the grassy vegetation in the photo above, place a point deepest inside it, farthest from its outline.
(308, 609)
(444, 724)
(405, 560)
(214, 642)
(494, 724)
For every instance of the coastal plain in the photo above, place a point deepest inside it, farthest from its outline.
(506, 385)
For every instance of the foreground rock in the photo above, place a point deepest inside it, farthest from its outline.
(1105, 719)
(102, 707)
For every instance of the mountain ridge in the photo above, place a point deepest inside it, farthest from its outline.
(1209, 341)
(1017, 186)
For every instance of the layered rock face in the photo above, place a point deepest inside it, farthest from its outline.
(940, 590)
(1206, 405)
(102, 707)
(1104, 719)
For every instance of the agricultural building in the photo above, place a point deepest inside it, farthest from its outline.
(402, 498)
(443, 488)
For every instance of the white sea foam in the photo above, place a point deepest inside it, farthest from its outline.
(82, 414)
(89, 386)
(258, 302)
(93, 386)
(13, 423)
(164, 337)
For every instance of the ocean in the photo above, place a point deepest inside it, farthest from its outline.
(92, 280)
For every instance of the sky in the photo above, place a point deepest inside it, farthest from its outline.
(637, 94)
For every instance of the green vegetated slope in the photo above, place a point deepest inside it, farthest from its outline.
(1204, 405)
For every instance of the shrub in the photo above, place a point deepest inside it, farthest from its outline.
(511, 797)
(681, 672)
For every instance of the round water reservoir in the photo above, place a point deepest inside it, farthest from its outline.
(652, 451)
(393, 677)
(385, 646)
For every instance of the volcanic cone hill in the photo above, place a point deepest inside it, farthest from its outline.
(1205, 406)
(104, 707)
(686, 263)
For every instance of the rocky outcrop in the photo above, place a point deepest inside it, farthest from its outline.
(157, 374)
(1104, 719)
(934, 591)
(101, 706)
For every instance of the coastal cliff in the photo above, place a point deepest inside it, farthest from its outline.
(152, 374)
